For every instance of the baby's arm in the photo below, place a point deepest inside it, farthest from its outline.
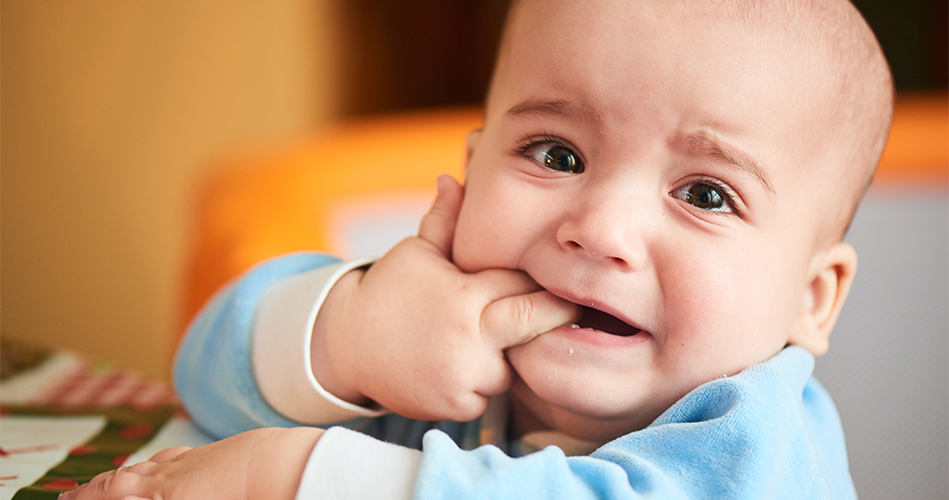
(422, 338)
(232, 468)
(221, 385)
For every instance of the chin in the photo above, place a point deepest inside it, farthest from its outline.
(575, 420)
(575, 405)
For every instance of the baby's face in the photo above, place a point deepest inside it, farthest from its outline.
(649, 169)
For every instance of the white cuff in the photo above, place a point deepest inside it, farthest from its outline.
(283, 329)
(348, 465)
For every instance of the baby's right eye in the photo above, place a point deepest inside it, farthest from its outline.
(554, 156)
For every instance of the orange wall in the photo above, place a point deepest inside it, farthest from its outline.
(111, 112)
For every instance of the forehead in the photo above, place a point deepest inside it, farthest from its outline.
(625, 48)
(628, 66)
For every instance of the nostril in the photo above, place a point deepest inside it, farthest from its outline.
(622, 260)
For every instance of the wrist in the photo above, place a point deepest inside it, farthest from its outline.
(282, 343)
(277, 458)
(330, 355)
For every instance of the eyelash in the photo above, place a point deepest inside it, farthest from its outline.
(529, 142)
(727, 193)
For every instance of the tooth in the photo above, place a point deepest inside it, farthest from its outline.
(574, 325)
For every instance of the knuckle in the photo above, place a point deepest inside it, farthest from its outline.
(119, 482)
(138, 469)
(102, 483)
(523, 311)
(440, 208)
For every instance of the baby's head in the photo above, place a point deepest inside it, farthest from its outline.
(685, 171)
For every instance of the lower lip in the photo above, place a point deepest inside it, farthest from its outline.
(601, 339)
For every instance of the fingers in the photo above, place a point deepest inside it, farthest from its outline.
(518, 319)
(118, 484)
(438, 225)
(168, 454)
(498, 283)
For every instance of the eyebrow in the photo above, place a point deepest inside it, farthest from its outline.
(703, 144)
(555, 107)
(700, 143)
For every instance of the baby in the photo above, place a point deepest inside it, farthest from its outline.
(644, 258)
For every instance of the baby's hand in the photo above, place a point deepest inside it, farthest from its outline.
(265, 463)
(422, 338)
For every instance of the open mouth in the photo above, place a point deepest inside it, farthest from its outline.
(595, 319)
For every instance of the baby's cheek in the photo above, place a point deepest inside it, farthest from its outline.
(469, 251)
(480, 243)
(463, 245)
(461, 256)
(714, 310)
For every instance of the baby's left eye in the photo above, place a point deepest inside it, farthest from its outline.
(705, 196)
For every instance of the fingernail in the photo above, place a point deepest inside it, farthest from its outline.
(440, 183)
(66, 495)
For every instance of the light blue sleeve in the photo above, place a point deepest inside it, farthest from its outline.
(769, 432)
(213, 374)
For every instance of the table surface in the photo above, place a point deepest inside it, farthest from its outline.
(65, 419)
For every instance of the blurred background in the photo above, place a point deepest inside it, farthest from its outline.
(112, 113)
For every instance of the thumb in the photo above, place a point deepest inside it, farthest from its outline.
(518, 319)
(438, 225)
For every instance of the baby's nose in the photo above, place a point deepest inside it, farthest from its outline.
(602, 234)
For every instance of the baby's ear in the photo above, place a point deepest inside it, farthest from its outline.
(829, 278)
(472, 142)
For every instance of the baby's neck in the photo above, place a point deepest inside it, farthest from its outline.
(521, 419)
(526, 414)
(525, 426)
